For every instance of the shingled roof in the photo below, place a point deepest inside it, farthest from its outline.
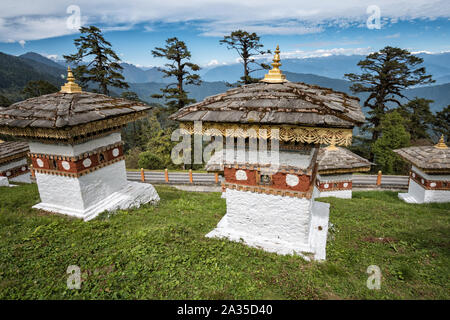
(10, 151)
(65, 115)
(292, 103)
(428, 158)
(336, 159)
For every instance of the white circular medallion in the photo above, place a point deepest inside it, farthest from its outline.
(115, 152)
(345, 184)
(433, 184)
(65, 165)
(8, 173)
(23, 168)
(87, 163)
(241, 175)
(414, 175)
(40, 163)
(326, 185)
(292, 180)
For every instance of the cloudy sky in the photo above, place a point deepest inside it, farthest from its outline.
(302, 28)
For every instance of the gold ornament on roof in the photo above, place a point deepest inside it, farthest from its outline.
(441, 144)
(70, 86)
(332, 145)
(275, 75)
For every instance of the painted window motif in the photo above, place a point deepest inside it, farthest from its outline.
(265, 180)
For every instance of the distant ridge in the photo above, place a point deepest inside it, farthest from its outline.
(15, 72)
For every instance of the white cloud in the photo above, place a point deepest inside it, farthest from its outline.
(51, 56)
(213, 62)
(22, 43)
(393, 36)
(301, 54)
(31, 20)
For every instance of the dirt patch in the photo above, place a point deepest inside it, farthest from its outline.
(380, 240)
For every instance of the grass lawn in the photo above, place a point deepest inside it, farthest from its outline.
(161, 252)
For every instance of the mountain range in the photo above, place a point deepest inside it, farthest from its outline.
(16, 71)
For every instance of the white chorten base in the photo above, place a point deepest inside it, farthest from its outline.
(343, 194)
(417, 194)
(133, 195)
(274, 223)
(24, 177)
(4, 182)
(329, 180)
(103, 189)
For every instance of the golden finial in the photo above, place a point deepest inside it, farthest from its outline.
(70, 86)
(275, 75)
(441, 144)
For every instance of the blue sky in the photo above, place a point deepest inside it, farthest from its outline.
(301, 28)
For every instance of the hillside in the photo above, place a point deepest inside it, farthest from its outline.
(15, 72)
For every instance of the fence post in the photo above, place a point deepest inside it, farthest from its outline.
(379, 178)
(32, 172)
(142, 175)
(166, 175)
(216, 176)
(190, 176)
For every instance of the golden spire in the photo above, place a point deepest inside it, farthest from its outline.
(70, 86)
(441, 144)
(275, 75)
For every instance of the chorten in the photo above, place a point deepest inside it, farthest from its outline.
(13, 163)
(269, 195)
(336, 166)
(429, 177)
(76, 150)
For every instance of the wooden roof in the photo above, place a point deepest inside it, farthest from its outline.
(285, 103)
(428, 158)
(336, 160)
(65, 115)
(10, 151)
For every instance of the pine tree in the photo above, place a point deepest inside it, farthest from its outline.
(38, 88)
(394, 136)
(181, 69)
(418, 118)
(386, 74)
(247, 45)
(104, 68)
(441, 124)
(4, 101)
(130, 95)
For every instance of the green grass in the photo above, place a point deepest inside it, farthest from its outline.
(161, 252)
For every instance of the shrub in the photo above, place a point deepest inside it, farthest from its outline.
(150, 160)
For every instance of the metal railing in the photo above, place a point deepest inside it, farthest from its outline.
(197, 178)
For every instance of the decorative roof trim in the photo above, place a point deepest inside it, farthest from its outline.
(74, 133)
(341, 136)
(348, 170)
(13, 157)
(268, 190)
